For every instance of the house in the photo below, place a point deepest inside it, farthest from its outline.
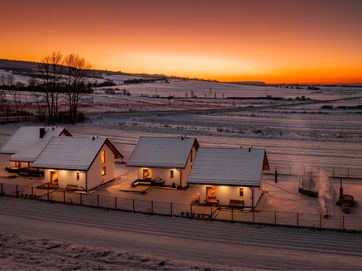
(168, 159)
(229, 176)
(27, 143)
(79, 163)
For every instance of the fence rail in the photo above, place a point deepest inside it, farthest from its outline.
(299, 170)
(309, 220)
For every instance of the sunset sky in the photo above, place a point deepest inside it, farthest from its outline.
(301, 41)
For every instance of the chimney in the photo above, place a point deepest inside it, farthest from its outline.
(42, 132)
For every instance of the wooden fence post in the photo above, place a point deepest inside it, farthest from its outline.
(232, 214)
(115, 202)
(275, 217)
(171, 211)
(48, 194)
(64, 196)
(151, 206)
(16, 190)
(32, 191)
(191, 208)
(253, 216)
(133, 205)
(343, 223)
(97, 200)
(2, 188)
(81, 199)
(320, 220)
(297, 219)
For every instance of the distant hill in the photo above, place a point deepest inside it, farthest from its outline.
(249, 83)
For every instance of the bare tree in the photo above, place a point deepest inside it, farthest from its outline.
(3, 80)
(76, 82)
(10, 79)
(52, 68)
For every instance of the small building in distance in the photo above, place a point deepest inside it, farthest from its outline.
(78, 163)
(229, 176)
(27, 143)
(166, 160)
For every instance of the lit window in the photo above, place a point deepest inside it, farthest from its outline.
(103, 156)
(241, 192)
(172, 174)
(77, 175)
(103, 171)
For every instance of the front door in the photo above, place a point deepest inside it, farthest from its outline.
(54, 178)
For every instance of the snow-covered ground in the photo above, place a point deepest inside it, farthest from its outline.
(36, 235)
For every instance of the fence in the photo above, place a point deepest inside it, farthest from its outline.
(308, 220)
(299, 170)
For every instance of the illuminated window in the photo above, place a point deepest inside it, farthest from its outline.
(241, 192)
(147, 173)
(172, 174)
(103, 156)
(77, 175)
(17, 164)
(103, 171)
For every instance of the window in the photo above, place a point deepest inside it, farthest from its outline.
(172, 174)
(17, 164)
(241, 192)
(77, 175)
(103, 156)
(103, 171)
(147, 173)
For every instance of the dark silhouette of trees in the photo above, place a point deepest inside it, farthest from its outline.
(76, 84)
(52, 69)
(64, 78)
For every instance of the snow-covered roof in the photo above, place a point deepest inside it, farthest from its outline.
(74, 153)
(162, 152)
(26, 143)
(228, 166)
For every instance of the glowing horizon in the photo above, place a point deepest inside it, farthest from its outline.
(281, 41)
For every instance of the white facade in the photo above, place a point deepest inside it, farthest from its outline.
(86, 179)
(224, 193)
(179, 176)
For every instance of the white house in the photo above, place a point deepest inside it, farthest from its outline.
(167, 158)
(27, 142)
(229, 176)
(78, 162)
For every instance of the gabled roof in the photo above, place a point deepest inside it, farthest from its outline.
(162, 152)
(74, 153)
(26, 143)
(228, 166)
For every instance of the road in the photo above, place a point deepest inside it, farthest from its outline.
(209, 242)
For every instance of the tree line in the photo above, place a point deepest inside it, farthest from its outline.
(63, 79)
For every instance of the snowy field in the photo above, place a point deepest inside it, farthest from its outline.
(73, 237)
(322, 131)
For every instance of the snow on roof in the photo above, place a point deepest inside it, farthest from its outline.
(26, 143)
(76, 153)
(164, 152)
(227, 166)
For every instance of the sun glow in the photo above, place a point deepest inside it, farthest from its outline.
(271, 41)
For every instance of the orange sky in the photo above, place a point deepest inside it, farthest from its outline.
(299, 41)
